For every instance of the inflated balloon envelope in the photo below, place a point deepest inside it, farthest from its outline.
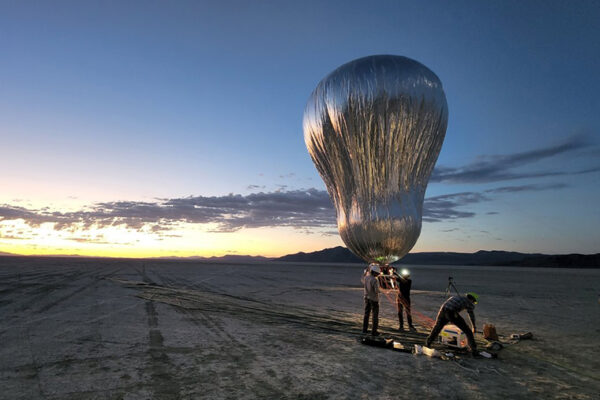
(374, 128)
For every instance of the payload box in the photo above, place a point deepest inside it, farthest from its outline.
(453, 336)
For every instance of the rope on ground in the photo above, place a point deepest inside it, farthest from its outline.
(473, 370)
(494, 370)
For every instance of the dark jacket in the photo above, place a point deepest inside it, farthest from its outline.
(457, 304)
(404, 284)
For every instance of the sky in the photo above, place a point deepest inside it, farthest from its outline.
(147, 129)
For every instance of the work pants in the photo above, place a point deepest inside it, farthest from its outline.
(403, 303)
(371, 305)
(445, 316)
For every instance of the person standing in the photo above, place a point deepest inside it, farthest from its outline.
(371, 290)
(403, 299)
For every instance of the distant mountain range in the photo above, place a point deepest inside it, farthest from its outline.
(499, 258)
(343, 255)
(232, 258)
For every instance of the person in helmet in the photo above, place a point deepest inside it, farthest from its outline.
(403, 298)
(450, 312)
(371, 286)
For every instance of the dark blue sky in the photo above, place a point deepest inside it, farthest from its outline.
(133, 101)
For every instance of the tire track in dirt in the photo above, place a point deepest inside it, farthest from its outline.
(52, 282)
(40, 292)
(204, 319)
(94, 276)
(242, 307)
(71, 362)
(30, 283)
(241, 355)
(201, 318)
(163, 384)
(24, 298)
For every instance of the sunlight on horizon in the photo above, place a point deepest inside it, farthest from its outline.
(186, 240)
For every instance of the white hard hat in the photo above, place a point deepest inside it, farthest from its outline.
(374, 268)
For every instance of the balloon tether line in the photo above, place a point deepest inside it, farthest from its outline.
(393, 296)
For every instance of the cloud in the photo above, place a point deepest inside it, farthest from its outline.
(446, 207)
(497, 168)
(32, 217)
(300, 209)
(14, 237)
(528, 188)
(297, 208)
(92, 240)
(255, 187)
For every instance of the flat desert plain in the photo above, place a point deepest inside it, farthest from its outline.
(75, 328)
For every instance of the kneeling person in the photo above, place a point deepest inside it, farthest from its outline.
(450, 312)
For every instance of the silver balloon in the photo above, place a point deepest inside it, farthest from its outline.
(374, 128)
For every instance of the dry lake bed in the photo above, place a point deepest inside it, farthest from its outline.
(140, 329)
